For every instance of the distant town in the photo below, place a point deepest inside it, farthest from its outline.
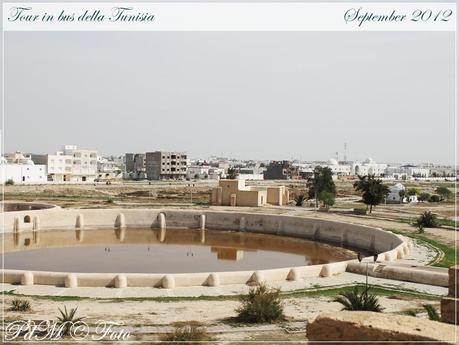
(76, 165)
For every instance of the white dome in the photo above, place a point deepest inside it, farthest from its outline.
(368, 161)
(26, 161)
(332, 161)
(397, 187)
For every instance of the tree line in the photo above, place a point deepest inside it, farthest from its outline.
(322, 189)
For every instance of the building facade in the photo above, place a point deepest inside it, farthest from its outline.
(59, 166)
(395, 196)
(135, 166)
(236, 193)
(280, 170)
(84, 163)
(25, 172)
(107, 168)
(162, 165)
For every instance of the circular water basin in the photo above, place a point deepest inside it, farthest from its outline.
(156, 251)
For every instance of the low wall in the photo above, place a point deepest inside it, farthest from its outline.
(368, 239)
(437, 276)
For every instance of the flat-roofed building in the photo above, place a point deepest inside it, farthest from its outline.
(59, 166)
(162, 165)
(24, 172)
(236, 193)
(84, 163)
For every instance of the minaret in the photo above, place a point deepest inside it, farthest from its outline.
(345, 152)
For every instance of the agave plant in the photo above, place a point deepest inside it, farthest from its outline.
(300, 199)
(432, 312)
(20, 305)
(356, 300)
(67, 319)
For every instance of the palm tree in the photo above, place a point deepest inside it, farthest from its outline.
(231, 174)
(426, 220)
(373, 190)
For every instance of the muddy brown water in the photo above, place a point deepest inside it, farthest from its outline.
(175, 251)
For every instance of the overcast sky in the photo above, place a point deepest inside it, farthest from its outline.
(256, 95)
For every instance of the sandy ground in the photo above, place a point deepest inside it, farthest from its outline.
(143, 313)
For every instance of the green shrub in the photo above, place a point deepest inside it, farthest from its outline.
(261, 305)
(356, 300)
(424, 196)
(110, 200)
(443, 192)
(20, 305)
(188, 333)
(410, 312)
(360, 211)
(412, 191)
(434, 198)
(9, 182)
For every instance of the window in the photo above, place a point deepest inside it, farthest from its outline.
(27, 219)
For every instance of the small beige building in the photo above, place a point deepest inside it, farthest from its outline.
(236, 193)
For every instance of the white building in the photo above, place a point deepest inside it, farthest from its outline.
(205, 172)
(216, 173)
(197, 172)
(107, 168)
(59, 166)
(250, 173)
(415, 172)
(336, 168)
(406, 171)
(84, 163)
(394, 195)
(368, 167)
(25, 172)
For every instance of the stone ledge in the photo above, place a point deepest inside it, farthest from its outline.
(370, 326)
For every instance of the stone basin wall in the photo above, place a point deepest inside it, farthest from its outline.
(29, 223)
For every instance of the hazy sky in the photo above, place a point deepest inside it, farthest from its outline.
(259, 95)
